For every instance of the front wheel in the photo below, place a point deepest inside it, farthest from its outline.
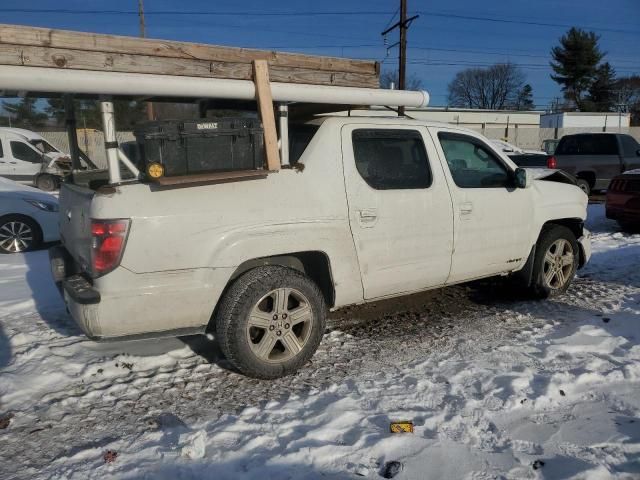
(18, 234)
(271, 321)
(556, 261)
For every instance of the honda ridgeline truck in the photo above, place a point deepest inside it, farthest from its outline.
(372, 208)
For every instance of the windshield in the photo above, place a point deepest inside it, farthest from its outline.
(43, 146)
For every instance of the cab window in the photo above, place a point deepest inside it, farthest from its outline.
(22, 151)
(472, 163)
(600, 144)
(391, 159)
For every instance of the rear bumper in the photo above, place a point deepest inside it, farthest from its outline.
(124, 305)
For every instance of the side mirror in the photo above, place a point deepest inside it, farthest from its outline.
(638, 152)
(522, 178)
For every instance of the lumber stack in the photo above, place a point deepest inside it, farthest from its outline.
(43, 47)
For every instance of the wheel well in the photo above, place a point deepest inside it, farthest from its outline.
(314, 264)
(588, 176)
(576, 225)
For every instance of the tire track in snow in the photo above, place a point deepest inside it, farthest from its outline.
(449, 325)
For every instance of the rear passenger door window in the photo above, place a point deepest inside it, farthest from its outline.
(391, 159)
(472, 163)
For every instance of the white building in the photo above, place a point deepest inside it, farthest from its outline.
(600, 120)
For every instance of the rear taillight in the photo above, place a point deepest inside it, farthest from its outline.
(552, 163)
(108, 238)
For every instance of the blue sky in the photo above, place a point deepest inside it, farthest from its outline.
(442, 41)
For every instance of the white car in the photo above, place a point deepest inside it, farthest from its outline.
(28, 217)
(511, 149)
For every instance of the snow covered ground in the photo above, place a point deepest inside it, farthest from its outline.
(496, 388)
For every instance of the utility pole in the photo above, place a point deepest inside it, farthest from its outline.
(403, 25)
(402, 67)
(143, 34)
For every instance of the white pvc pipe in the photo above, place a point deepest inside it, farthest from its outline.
(109, 129)
(41, 79)
(283, 112)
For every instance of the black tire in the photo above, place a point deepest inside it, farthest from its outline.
(239, 341)
(584, 185)
(629, 227)
(11, 223)
(541, 287)
(47, 183)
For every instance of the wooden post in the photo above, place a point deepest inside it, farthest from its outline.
(267, 114)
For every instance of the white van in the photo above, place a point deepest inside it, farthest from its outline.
(21, 157)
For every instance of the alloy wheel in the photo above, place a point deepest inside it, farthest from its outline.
(16, 236)
(558, 263)
(279, 325)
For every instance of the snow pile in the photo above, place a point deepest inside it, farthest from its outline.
(496, 389)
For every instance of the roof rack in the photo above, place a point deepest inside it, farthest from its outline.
(46, 62)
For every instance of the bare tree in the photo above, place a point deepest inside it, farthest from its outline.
(495, 88)
(389, 77)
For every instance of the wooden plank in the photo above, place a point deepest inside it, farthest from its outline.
(218, 177)
(267, 113)
(117, 62)
(45, 37)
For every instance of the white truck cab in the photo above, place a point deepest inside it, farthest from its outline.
(371, 208)
(22, 153)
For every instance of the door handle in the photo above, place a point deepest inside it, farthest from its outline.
(466, 208)
(13, 163)
(367, 215)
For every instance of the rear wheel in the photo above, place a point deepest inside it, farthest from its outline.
(584, 186)
(629, 227)
(47, 183)
(271, 321)
(18, 234)
(556, 261)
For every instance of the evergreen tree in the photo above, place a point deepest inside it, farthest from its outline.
(24, 114)
(524, 101)
(601, 96)
(575, 64)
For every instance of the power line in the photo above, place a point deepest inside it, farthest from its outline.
(525, 22)
(310, 14)
(392, 19)
(192, 12)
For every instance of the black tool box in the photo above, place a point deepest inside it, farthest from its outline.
(188, 147)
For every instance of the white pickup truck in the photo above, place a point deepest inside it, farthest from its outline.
(371, 208)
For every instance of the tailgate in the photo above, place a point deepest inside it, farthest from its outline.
(75, 222)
